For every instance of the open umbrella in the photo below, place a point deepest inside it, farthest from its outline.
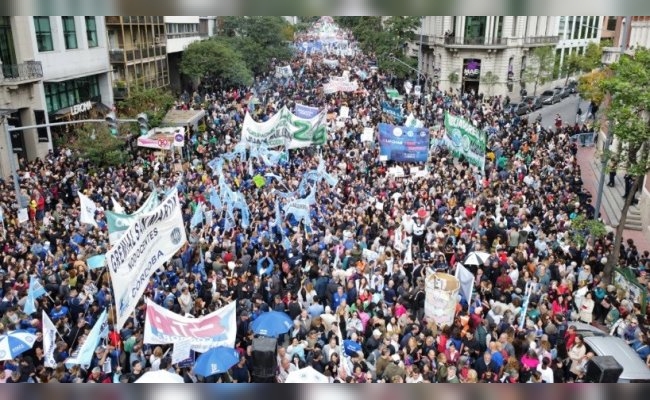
(160, 376)
(216, 361)
(272, 324)
(351, 347)
(306, 375)
(476, 258)
(15, 343)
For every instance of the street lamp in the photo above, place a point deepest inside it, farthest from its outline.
(418, 72)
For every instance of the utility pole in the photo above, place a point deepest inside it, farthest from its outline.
(610, 137)
(422, 84)
(10, 148)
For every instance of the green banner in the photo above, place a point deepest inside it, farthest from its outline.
(464, 139)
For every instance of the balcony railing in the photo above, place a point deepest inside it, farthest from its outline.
(471, 41)
(541, 40)
(183, 35)
(117, 56)
(25, 72)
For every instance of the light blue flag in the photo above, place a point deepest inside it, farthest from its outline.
(278, 215)
(273, 176)
(215, 200)
(35, 291)
(229, 156)
(286, 243)
(216, 165)
(286, 195)
(85, 354)
(96, 262)
(300, 210)
(197, 218)
(245, 213)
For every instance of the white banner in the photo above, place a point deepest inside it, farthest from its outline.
(285, 129)
(49, 341)
(283, 72)
(219, 328)
(88, 209)
(466, 279)
(150, 242)
(182, 351)
(119, 223)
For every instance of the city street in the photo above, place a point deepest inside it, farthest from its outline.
(566, 108)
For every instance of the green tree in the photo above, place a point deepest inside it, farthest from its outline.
(490, 80)
(627, 109)
(453, 79)
(96, 144)
(583, 230)
(540, 68)
(215, 58)
(155, 102)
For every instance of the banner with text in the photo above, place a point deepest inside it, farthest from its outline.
(219, 328)
(152, 240)
(403, 143)
(464, 139)
(285, 128)
(119, 223)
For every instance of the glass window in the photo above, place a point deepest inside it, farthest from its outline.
(515, 21)
(611, 23)
(91, 32)
(562, 27)
(43, 32)
(499, 32)
(576, 28)
(7, 53)
(583, 31)
(475, 27)
(69, 33)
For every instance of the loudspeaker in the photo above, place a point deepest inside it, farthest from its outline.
(265, 362)
(603, 369)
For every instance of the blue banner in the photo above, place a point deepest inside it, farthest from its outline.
(306, 112)
(392, 111)
(403, 144)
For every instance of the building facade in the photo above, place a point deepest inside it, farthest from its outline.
(575, 34)
(181, 31)
(53, 68)
(137, 53)
(459, 51)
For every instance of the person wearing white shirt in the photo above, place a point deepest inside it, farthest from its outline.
(545, 370)
(286, 367)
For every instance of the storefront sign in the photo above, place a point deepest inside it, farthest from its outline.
(472, 68)
(81, 107)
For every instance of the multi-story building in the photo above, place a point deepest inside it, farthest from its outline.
(137, 53)
(608, 29)
(465, 48)
(208, 25)
(54, 68)
(180, 31)
(575, 32)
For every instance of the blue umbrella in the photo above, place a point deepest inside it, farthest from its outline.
(15, 343)
(216, 361)
(96, 261)
(351, 347)
(272, 324)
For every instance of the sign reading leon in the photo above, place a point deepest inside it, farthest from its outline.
(81, 107)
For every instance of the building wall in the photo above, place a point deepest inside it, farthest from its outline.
(181, 32)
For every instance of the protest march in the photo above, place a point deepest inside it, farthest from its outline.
(326, 225)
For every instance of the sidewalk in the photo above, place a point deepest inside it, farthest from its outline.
(590, 180)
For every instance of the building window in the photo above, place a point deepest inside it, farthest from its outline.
(91, 31)
(43, 32)
(562, 27)
(59, 95)
(499, 27)
(576, 28)
(7, 53)
(515, 21)
(611, 23)
(69, 33)
(475, 27)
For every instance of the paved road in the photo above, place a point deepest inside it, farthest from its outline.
(566, 108)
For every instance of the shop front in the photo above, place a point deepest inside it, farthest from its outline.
(471, 75)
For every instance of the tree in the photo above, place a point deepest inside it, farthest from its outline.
(215, 58)
(571, 65)
(583, 229)
(155, 102)
(490, 80)
(627, 109)
(589, 85)
(453, 78)
(540, 69)
(95, 143)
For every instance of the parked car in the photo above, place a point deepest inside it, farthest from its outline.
(519, 108)
(634, 369)
(534, 102)
(563, 92)
(550, 97)
(572, 86)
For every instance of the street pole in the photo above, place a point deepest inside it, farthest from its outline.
(10, 149)
(610, 137)
(420, 64)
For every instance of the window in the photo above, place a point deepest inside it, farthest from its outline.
(499, 27)
(43, 32)
(475, 27)
(59, 95)
(91, 31)
(562, 27)
(583, 31)
(69, 33)
(576, 28)
(515, 21)
(611, 23)
(7, 53)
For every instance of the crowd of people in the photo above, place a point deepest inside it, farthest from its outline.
(520, 211)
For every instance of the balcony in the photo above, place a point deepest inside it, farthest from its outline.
(117, 56)
(113, 20)
(541, 40)
(454, 41)
(13, 74)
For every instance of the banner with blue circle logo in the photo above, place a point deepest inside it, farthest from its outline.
(464, 139)
(403, 143)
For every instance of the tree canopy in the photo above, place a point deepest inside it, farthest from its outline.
(216, 58)
(95, 143)
(154, 102)
(625, 87)
(540, 68)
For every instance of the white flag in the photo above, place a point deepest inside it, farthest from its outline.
(466, 281)
(117, 207)
(88, 209)
(49, 341)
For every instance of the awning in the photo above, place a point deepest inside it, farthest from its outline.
(183, 117)
(84, 75)
(64, 112)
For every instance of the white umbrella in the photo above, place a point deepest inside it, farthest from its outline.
(306, 375)
(15, 343)
(476, 258)
(160, 376)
